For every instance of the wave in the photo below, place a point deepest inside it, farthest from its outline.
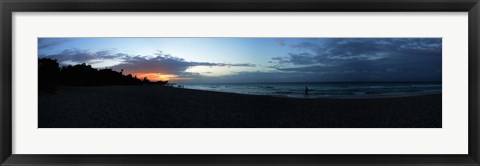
(322, 90)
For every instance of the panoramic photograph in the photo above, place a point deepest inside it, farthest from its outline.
(239, 82)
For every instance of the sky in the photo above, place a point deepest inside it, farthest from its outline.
(255, 60)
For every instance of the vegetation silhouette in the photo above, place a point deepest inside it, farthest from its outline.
(50, 74)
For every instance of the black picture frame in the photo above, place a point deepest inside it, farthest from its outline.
(9, 6)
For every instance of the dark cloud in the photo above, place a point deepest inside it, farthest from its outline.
(395, 59)
(44, 43)
(165, 63)
(83, 56)
(159, 63)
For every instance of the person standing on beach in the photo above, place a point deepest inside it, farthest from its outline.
(306, 91)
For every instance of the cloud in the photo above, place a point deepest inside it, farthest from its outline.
(44, 43)
(365, 59)
(164, 63)
(159, 63)
(339, 49)
(84, 56)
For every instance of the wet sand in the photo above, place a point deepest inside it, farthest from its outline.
(168, 107)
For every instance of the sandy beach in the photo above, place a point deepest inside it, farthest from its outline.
(168, 107)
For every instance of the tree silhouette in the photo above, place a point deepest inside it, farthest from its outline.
(50, 75)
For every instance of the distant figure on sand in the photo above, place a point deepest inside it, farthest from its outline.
(306, 91)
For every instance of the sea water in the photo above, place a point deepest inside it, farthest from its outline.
(316, 90)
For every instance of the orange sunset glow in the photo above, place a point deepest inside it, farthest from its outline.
(158, 76)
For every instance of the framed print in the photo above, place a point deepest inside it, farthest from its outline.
(329, 83)
(239, 82)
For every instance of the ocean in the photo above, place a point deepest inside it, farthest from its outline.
(319, 90)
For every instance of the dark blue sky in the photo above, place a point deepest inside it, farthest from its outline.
(241, 60)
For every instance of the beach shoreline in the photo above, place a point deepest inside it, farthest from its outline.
(169, 107)
(324, 89)
(370, 96)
